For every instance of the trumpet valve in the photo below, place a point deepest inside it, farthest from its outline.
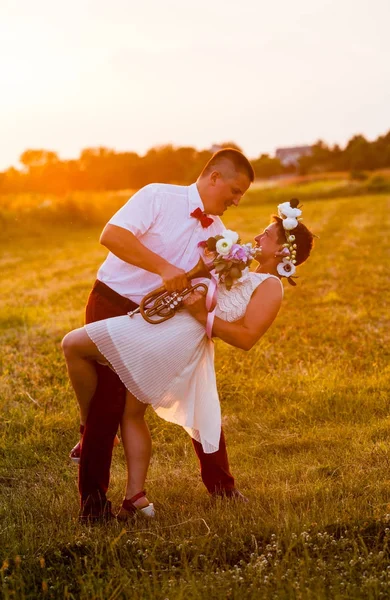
(173, 300)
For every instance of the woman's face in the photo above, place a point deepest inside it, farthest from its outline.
(268, 241)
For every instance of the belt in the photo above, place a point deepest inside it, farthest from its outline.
(105, 291)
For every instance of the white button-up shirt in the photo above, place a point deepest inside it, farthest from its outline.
(159, 216)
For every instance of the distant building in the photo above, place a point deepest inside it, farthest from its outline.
(290, 156)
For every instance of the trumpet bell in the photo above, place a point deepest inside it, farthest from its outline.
(200, 270)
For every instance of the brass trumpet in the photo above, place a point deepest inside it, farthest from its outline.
(160, 305)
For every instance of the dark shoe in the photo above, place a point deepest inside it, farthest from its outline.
(96, 509)
(233, 494)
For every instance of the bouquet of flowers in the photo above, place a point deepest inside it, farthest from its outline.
(228, 257)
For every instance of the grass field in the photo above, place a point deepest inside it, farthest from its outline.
(306, 416)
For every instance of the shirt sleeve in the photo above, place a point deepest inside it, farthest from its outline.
(139, 213)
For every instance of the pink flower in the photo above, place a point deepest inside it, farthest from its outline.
(238, 252)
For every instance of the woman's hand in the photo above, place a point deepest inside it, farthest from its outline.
(195, 303)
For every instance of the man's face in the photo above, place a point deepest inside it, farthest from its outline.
(226, 191)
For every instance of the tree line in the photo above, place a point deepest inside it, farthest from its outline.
(104, 169)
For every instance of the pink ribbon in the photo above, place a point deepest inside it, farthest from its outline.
(211, 303)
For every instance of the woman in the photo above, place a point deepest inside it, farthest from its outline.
(171, 366)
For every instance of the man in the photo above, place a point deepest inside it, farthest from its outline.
(141, 257)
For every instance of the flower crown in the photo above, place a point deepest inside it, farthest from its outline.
(290, 215)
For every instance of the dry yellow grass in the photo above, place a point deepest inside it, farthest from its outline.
(306, 417)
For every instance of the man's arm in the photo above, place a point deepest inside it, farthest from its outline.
(260, 314)
(126, 246)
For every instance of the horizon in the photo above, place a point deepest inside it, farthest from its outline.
(135, 77)
(198, 149)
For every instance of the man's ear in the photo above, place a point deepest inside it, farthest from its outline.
(214, 176)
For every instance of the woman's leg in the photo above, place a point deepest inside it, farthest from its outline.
(80, 353)
(137, 445)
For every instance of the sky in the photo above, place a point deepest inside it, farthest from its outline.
(130, 75)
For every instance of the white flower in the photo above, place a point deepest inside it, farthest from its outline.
(250, 249)
(290, 223)
(231, 235)
(223, 246)
(286, 268)
(285, 210)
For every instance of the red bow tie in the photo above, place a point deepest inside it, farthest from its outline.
(205, 221)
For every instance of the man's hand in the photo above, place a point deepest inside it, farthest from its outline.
(195, 303)
(174, 279)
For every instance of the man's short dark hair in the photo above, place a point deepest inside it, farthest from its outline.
(235, 157)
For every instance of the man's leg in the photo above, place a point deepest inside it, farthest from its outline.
(214, 468)
(102, 424)
(103, 420)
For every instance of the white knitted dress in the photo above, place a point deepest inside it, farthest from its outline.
(171, 365)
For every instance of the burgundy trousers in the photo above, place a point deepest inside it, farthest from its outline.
(106, 411)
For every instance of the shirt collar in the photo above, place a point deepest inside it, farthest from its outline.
(194, 198)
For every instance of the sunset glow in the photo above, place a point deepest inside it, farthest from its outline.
(130, 76)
